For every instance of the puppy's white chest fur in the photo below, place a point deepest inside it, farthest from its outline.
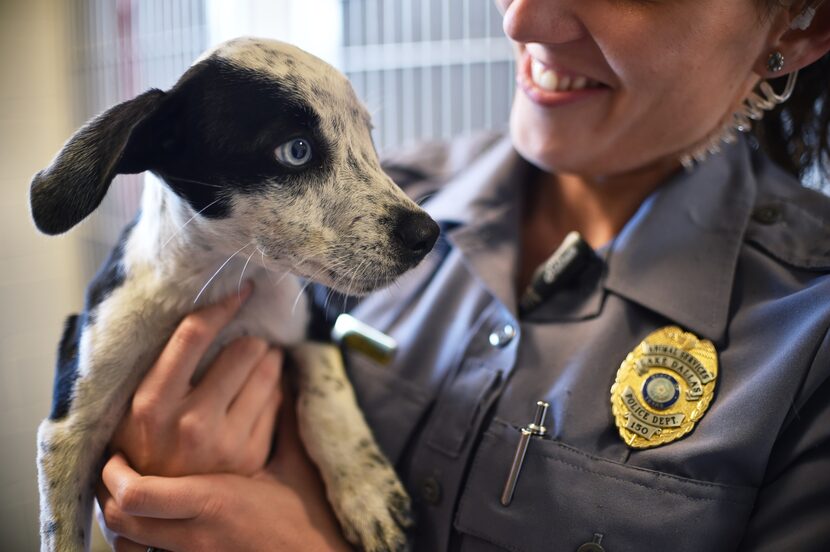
(169, 273)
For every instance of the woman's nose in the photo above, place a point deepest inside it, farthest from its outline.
(542, 21)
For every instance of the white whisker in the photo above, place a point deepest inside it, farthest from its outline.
(329, 295)
(194, 181)
(242, 274)
(176, 233)
(204, 287)
(309, 281)
(299, 296)
(268, 270)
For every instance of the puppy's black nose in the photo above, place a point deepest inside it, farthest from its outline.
(415, 232)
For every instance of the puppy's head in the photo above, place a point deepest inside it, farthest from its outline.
(270, 147)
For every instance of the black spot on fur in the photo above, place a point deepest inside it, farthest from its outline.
(379, 533)
(352, 162)
(66, 371)
(224, 124)
(314, 392)
(376, 459)
(51, 527)
(110, 276)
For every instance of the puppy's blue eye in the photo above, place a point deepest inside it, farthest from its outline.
(294, 153)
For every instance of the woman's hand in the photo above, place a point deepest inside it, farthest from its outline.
(280, 508)
(223, 424)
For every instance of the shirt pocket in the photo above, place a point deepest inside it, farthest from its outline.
(565, 496)
(391, 405)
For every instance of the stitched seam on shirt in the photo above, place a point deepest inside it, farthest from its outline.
(808, 263)
(580, 468)
(682, 480)
(657, 474)
(488, 538)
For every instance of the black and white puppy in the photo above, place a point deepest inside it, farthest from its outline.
(265, 155)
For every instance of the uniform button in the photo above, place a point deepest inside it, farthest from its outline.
(503, 336)
(767, 214)
(593, 546)
(431, 491)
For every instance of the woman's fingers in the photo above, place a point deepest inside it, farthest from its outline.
(137, 533)
(228, 374)
(128, 533)
(170, 376)
(262, 384)
(260, 441)
(157, 497)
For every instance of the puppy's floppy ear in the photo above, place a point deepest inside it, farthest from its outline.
(73, 186)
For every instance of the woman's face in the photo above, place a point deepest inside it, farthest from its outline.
(669, 71)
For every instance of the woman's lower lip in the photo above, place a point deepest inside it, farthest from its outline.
(546, 98)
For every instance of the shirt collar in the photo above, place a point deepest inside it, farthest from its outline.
(677, 256)
(489, 184)
(480, 210)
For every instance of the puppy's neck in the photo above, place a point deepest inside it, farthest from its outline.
(182, 249)
(175, 261)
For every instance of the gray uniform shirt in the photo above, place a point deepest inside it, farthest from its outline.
(736, 252)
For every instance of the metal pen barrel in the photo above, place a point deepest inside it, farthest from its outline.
(516, 467)
(533, 429)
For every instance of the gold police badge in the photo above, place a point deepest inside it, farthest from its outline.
(663, 387)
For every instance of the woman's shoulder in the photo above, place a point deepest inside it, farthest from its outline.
(422, 168)
(790, 222)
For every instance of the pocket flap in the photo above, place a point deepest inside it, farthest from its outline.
(565, 496)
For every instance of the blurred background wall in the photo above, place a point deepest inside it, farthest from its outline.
(40, 278)
(425, 68)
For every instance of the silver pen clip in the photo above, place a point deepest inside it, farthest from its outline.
(535, 429)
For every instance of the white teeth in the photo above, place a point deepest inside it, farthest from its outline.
(549, 80)
(543, 77)
(536, 69)
(579, 83)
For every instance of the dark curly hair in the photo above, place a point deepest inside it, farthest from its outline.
(796, 134)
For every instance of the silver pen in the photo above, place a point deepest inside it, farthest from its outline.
(535, 429)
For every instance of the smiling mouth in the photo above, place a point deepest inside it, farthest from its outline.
(550, 80)
(549, 87)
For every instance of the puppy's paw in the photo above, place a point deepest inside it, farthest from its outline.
(373, 508)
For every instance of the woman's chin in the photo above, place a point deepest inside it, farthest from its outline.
(549, 147)
(548, 155)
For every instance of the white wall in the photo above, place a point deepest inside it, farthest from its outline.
(313, 25)
(39, 278)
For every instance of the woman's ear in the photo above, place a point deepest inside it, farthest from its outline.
(73, 186)
(802, 34)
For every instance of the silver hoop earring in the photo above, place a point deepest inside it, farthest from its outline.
(751, 109)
